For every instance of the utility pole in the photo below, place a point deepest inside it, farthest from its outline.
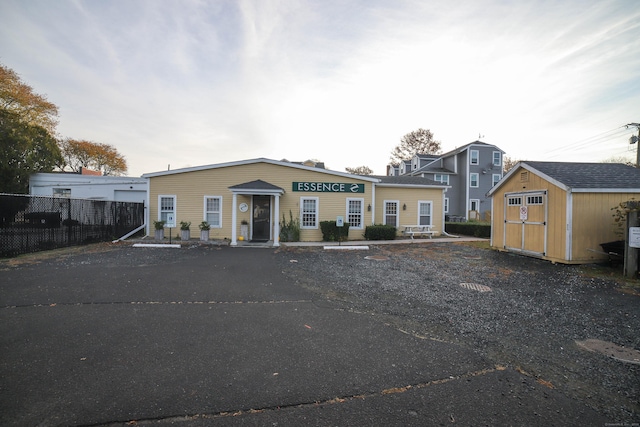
(636, 140)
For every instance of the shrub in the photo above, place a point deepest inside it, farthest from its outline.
(332, 233)
(380, 232)
(476, 229)
(290, 231)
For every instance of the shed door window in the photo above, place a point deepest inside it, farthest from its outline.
(309, 214)
(213, 211)
(391, 213)
(534, 200)
(355, 213)
(167, 206)
(424, 213)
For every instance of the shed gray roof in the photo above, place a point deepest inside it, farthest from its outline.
(590, 175)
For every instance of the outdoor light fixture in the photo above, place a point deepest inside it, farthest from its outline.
(404, 207)
(369, 208)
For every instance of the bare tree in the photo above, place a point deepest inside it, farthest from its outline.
(360, 170)
(417, 142)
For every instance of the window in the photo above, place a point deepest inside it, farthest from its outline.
(534, 200)
(514, 201)
(443, 178)
(496, 177)
(213, 211)
(61, 192)
(446, 205)
(309, 212)
(473, 179)
(497, 158)
(391, 212)
(474, 205)
(474, 157)
(424, 213)
(167, 206)
(355, 213)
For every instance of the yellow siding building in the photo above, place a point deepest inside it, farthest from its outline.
(263, 192)
(560, 211)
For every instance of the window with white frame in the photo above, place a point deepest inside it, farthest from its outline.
(424, 213)
(534, 200)
(355, 213)
(441, 177)
(446, 205)
(474, 179)
(391, 212)
(213, 211)
(167, 205)
(474, 205)
(497, 158)
(514, 201)
(309, 212)
(496, 178)
(474, 157)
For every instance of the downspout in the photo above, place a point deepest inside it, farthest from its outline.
(147, 208)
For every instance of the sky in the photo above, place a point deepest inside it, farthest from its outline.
(173, 84)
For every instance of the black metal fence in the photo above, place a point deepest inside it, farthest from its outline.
(36, 223)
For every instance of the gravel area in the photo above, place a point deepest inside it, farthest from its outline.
(516, 311)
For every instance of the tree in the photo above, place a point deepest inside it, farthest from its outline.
(417, 142)
(508, 163)
(24, 149)
(360, 170)
(79, 154)
(19, 98)
(620, 159)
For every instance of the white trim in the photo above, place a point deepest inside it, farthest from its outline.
(606, 190)
(317, 200)
(362, 210)
(175, 205)
(413, 186)
(569, 227)
(204, 209)
(493, 156)
(477, 157)
(384, 212)
(430, 203)
(477, 180)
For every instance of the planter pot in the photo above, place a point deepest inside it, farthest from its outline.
(185, 234)
(159, 235)
(204, 235)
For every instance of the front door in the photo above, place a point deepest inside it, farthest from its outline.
(261, 218)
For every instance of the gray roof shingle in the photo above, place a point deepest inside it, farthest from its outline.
(590, 175)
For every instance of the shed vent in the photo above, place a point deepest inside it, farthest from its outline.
(524, 176)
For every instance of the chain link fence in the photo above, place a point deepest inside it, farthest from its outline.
(36, 223)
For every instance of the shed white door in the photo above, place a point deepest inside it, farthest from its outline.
(525, 224)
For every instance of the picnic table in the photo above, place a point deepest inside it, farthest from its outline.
(411, 230)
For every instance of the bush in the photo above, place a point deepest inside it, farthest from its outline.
(333, 233)
(476, 229)
(380, 232)
(290, 231)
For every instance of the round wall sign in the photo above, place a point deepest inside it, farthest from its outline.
(243, 207)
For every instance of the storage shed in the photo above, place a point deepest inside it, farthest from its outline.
(560, 211)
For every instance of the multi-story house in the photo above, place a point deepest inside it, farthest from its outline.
(471, 171)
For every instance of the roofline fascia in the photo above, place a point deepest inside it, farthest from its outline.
(258, 160)
(604, 190)
(525, 166)
(443, 187)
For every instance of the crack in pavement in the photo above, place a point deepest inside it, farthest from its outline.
(73, 304)
(333, 401)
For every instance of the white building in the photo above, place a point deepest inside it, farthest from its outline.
(89, 186)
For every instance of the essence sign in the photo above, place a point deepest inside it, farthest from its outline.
(328, 187)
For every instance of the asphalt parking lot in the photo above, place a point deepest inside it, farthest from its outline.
(114, 335)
